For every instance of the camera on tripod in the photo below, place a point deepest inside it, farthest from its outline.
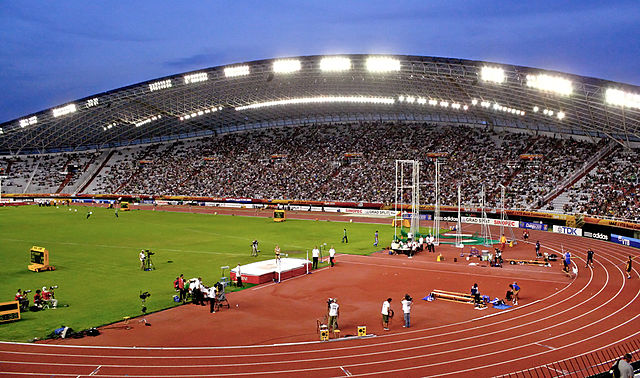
(145, 295)
(53, 287)
(148, 264)
(26, 291)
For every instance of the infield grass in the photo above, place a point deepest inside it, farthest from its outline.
(97, 266)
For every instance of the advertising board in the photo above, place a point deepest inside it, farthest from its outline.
(625, 240)
(567, 230)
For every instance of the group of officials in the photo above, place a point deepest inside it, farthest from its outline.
(387, 313)
(199, 293)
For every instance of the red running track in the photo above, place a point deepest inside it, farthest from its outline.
(272, 332)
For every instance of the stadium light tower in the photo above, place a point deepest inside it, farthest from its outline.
(502, 210)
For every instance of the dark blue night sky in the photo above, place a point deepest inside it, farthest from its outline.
(58, 51)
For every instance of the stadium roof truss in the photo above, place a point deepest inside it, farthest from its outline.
(310, 89)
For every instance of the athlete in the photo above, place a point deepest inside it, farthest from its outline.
(375, 243)
(629, 267)
(276, 250)
(589, 258)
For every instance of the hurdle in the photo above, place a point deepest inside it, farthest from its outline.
(452, 296)
(527, 262)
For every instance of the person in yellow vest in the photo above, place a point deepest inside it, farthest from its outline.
(503, 241)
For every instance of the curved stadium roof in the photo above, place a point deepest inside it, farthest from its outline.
(317, 89)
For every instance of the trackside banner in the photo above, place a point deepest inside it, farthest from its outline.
(385, 213)
(596, 235)
(489, 221)
(567, 230)
(422, 216)
(625, 240)
(534, 226)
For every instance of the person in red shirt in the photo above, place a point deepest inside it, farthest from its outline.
(48, 296)
(37, 299)
(183, 291)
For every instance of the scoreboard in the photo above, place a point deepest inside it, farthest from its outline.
(9, 311)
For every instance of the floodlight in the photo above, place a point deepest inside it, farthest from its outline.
(234, 71)
(550, 83)
(335, 64)
(57, 112)
(561, 115)
(474, 102)
(621, 98)
(422, 101)
(286, 65)
(550, 112)
(433, 102)
(158, 85)
(196, 78)
(92, 102)
(545, 112)
(492, 74)
(382, 64)
(411, 99)
(535, 109)
(147, 120)
(485, 104)
(401, 98)
(28, 121)
(321, 100)
(198, 113)
(466, 107)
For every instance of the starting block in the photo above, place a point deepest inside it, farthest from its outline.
(527, 262)
(362, 331)
(452, 296)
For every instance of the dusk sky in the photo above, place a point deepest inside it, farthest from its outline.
(55, 52)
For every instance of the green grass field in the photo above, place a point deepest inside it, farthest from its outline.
(97, 266)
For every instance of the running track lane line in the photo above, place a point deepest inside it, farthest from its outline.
(372, 353)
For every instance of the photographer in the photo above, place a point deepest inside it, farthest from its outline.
(142, 257)
(49, 296)
(406, 309)
(23, 300)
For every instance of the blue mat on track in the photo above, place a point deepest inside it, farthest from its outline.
(501, 307)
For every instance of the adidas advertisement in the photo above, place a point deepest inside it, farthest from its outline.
(596, 235)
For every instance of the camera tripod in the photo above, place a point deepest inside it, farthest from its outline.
(148, 264)
(144, 312)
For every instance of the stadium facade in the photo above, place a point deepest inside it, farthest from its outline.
(329, 89)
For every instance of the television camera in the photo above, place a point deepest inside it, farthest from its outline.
(148, 264)
(143, 298)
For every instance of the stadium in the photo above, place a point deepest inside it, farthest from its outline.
(202, 159)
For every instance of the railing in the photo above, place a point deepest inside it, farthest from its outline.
(577, 174)
(594, 364)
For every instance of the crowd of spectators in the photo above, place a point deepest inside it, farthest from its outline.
(610, 189)
(356, 162)
(349, 162)
(43, 173)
